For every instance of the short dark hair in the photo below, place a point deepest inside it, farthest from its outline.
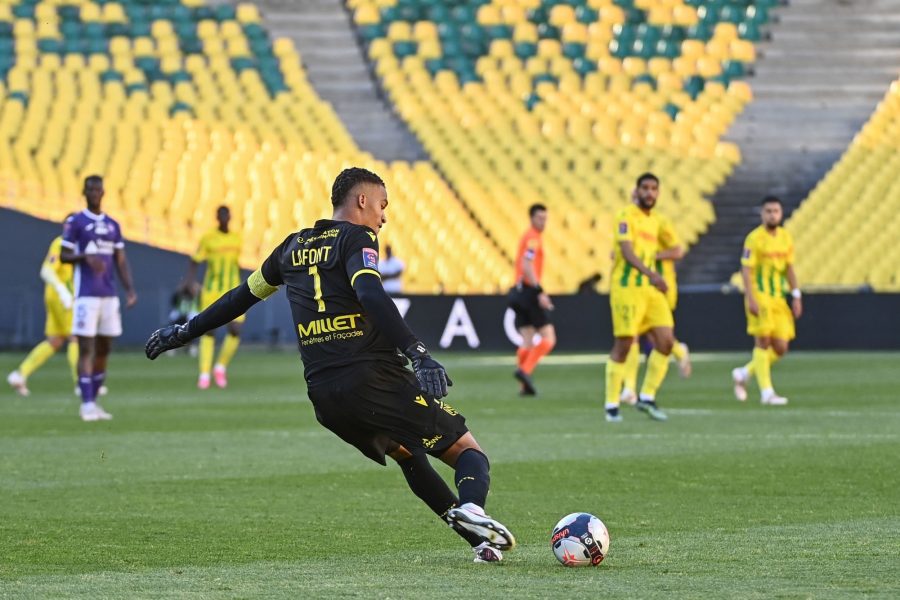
(94, 179)
(644, 177)
(223, 207)
(535, 208)
(347, 180)
(770, 199)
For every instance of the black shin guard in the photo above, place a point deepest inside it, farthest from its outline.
(473, 477)
(425, 483)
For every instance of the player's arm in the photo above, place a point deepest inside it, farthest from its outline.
(380, 308)
(673, 253)
(361, 260)
(124, 271)
(748, 262)
(529, 276)
(628, 254)
(226, 309)
(48, 274)
(796, 296)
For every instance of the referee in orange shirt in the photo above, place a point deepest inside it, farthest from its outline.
(530, 303)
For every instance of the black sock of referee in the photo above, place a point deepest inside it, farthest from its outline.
(425, 483)
(473, 477)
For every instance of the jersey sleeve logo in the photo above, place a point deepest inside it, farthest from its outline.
(746, 253)
(370, 258)
(623, 227)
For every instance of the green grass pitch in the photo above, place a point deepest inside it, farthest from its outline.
(240, 493)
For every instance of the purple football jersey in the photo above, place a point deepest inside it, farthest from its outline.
(87, 233)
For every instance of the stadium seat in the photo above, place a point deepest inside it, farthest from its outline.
(567, 103)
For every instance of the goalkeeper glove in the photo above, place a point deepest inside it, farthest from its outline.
(167, 338)
(432, 376)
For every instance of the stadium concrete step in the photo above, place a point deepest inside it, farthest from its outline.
(324, 36)
(825, 67)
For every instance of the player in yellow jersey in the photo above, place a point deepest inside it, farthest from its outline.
(767, 270)
(637, 299)
(670, 251)
(219, 249)
(57, 277)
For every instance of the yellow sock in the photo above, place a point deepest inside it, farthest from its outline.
(615, 372)
(229, 347)
(761, 367)
(72, 357)
(207, 349)
(657, 367)
(678, 350)
(38, 356)
(632, 362)
(773, 358)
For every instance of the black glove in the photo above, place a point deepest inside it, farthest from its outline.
(433, 379)
(167, 338)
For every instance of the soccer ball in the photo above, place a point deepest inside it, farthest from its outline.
(580, 540)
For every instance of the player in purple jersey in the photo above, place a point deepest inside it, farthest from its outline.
(93, 242)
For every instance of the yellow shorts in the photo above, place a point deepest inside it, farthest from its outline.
(775, 319)
(59, 318)
(207, 297)
(636, 310)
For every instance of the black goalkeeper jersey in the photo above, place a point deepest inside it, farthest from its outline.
(318, 266)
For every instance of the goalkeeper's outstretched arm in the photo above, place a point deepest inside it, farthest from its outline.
(226, 309)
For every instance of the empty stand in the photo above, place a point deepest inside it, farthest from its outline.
(566, 103)
(846, 231)
(183, 106)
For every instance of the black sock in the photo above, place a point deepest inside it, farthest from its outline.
(472, 477)
(425, 483)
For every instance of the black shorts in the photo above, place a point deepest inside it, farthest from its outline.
(523, 300)
(371, 404)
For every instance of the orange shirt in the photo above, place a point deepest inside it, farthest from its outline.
(532, 248)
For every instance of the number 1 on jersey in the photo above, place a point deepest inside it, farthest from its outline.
(317, 285)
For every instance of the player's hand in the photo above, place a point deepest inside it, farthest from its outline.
(130, 298)
(167, 338)
(545, 302)
(432, 376)
(797, 307)
(658, 282)
(752, 306)
(65, 296)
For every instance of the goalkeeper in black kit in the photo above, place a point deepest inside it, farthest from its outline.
(349, 333)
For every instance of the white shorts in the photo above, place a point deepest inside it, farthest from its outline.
(93, 316)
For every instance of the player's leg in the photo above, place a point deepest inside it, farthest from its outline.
(541, 349)
(657, 366)
(527, 331)
(72, 358)
(661, 334)
(38, 355)
(628, 307)
(57, 327)
(473, 480)
(207, 344)
(682, 355)
(429, 487)
(226, 352)
(205, 357)
(629, 380)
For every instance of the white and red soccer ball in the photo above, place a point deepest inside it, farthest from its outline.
(580, 540)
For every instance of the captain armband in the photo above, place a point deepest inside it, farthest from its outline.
(259, 287)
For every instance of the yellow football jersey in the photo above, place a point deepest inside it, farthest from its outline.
(643, 231)
(64, 271)
(768, 256)
(220, 251)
